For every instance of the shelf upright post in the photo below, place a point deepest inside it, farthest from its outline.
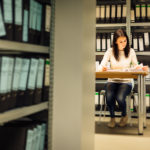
(51, 56)
(128, 20)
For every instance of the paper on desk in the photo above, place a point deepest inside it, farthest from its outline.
(125, 70)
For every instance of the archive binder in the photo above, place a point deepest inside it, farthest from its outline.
(45, 93)
(39, 82)
(29, 93)
(107, 14)
(16, 79)
(135, 41)
(113, 13)
(45, 35)
(97, 14)
(146, 41)
(10, 98)
(23, 82)
(123, 18)
(32, 22)
(98, 42)
(4, 61)
(7, 11)
(18, 20)
(141, 42)
(118, 13)
(148, 12)
(38, 23)
(103, 41)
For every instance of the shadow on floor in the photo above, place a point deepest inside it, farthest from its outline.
(101, 128)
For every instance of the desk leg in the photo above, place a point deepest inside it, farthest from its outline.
(144, 102)
(140, 100)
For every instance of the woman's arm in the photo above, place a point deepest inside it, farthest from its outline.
(102, 66)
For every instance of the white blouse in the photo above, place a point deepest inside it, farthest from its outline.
(123, 63)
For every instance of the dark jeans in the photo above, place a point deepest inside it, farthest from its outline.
(117, 92)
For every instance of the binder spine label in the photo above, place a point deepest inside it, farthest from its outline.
(17, 72)
(48, 17)
(8, 17)
(40, 73)
(24, 74)
(2, 27)
(39, 17)
(32, 73)
(18, 12)
(25, 26)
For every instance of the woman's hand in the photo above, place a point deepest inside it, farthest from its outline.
(145, 68)
(104, 68)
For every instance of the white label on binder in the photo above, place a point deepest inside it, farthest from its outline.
(131, 39)
(141, 45)
(147, 98)
(18, 12)
(97, 65)
(97, 12)
(143, 11)
(98, 44)
(47, 73)
(96, 98)
(112, 36)
(113, 11)
(135, 43)
(124, 11)
(148, 11)
(102, 11)
(103, 44)
(118, 11)
(138, 11)
(107, 11)
(48, 18)
(146, 38)
(108, 43)
(132, 16)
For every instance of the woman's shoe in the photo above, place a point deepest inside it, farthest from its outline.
(123, 121)
(112, 123)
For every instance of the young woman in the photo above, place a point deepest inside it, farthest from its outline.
(120, 56)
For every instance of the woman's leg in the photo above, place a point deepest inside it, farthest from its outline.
(123, 90)
(111, 89)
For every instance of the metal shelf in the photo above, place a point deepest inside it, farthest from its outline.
(22, 47)
(22, 112)
(137, 53)
(109, 25)
(140, 24)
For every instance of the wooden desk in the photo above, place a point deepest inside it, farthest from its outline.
(140, 76)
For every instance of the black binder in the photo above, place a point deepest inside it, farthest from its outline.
(7, 11)
(29, 93)
(39, 82)
(23, 82)
(31, 22)
(4, 61)
(18, 19)
(45, 34)
(45, 90)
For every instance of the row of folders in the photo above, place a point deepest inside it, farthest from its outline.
(23, 81)
(23, 135)
(116, 12)
(139, 41)
(100, 101)
(25, 21)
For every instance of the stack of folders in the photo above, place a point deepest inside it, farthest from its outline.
(140, 41)
(110, 11)
(140, 11)
(25, 21)
(103, 41)
(21, 81)
(23, 136)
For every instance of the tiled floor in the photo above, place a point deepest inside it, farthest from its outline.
(126, 138)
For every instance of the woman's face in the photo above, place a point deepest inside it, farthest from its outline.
(121, 42)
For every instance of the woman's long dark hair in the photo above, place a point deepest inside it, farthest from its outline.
(119, 33)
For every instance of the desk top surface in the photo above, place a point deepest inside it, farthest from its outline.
(120, 74)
